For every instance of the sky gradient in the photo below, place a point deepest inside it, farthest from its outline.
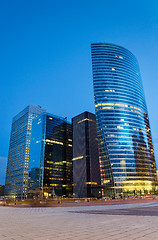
(46, 59)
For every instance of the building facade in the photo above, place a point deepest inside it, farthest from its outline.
(19, 152)
(50, 170)
(127, 161)
(86, 172)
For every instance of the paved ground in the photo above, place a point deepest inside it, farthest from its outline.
(126, 221)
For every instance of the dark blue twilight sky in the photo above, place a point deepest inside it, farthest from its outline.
(45, 55)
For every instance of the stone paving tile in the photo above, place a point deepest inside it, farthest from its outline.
(65, 224)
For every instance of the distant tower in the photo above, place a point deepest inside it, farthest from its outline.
(86, 173)
(127, 159)
(19, 152)
(50, 170)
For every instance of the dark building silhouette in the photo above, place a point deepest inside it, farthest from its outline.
(86, 172)
(1, 190)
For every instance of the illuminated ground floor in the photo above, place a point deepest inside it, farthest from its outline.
(130, 188)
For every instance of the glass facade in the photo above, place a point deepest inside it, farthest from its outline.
(50, 170)
(127, 161)
(19, 152)
(86, 173)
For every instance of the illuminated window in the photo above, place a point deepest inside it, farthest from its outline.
(86, 119)
(77, 158)
(119, 127)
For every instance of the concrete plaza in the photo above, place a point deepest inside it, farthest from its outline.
(111, 222)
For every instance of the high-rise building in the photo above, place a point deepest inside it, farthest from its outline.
(19, 152)
(127, 161)
(86, 172)
(50, 170)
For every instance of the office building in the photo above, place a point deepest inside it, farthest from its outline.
(50, 170)
(19, 152)
(86, 172)
(126, 151)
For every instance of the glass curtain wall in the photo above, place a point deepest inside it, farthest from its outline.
(127, 161)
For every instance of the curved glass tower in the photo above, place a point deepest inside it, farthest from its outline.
(127, 161)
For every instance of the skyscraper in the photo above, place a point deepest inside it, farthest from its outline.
(19, 152)
(86, 173)
(50, 170)
(127, 160)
